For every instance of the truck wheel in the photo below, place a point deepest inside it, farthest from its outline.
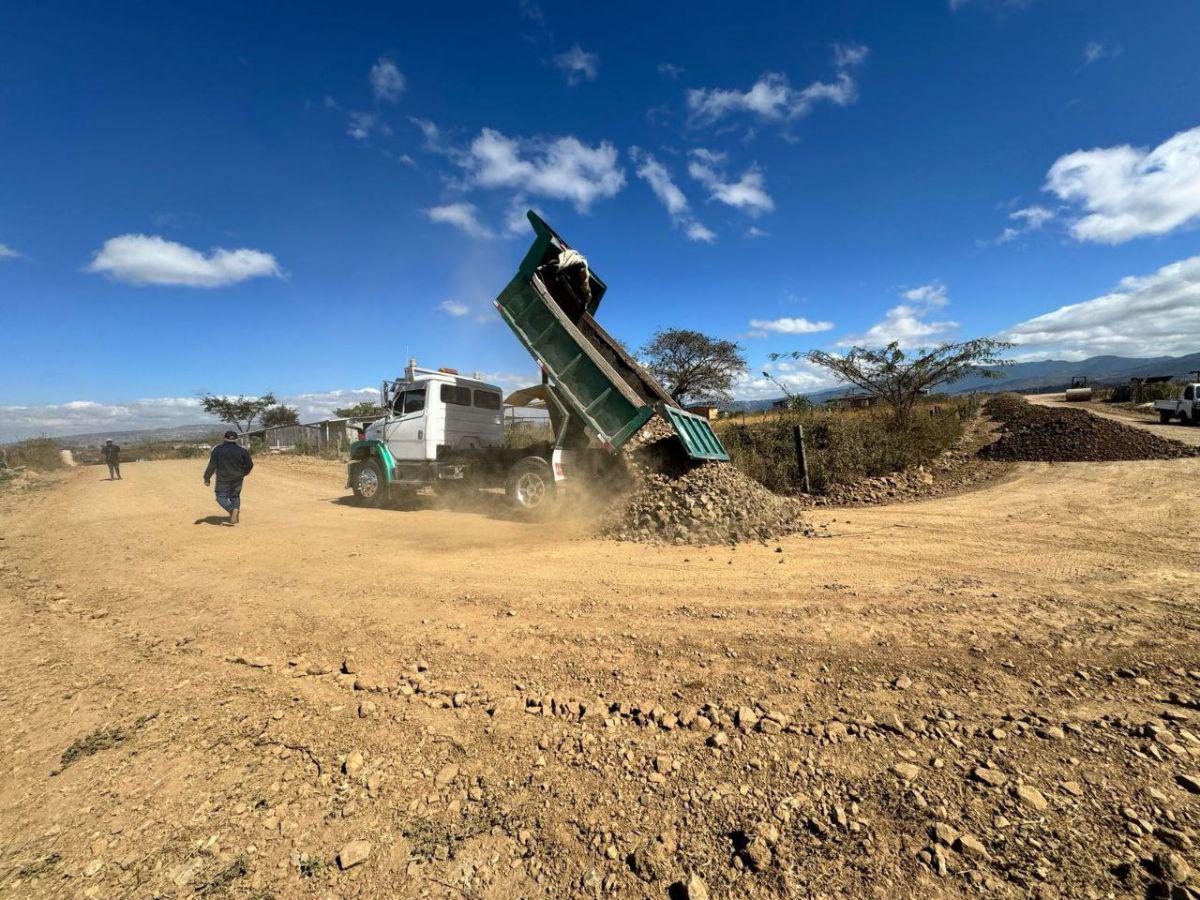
(368, 484)
(1164, 417)
(530, 487)
(1184, 419)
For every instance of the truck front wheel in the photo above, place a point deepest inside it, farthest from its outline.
(368, 484)
(530, 487)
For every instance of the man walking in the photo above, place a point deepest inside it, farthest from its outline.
(231, 463)
(112, 455)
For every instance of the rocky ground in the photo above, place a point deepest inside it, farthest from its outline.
(994, 693)
(1038, 433)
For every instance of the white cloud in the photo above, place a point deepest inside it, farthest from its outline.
(562, 169)
(454, 308)
(908, 323)
(1094, 51)
(148, 259)
(362, 124)
(670, 70)
(787, 325)
(773, 98)
(463, 216)
(387, 82)
(1129, 192)
(7, 252)
(748, 193)
(667, 191)
(578, 65)
(799, 377)
(1150, 315)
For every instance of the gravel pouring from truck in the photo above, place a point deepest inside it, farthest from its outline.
(446, 431)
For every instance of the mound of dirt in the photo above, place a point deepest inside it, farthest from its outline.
(1037, 434)
(675, 500)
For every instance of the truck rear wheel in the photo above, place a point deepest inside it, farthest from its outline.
(530, 487)
(368, 484)
(1164, 417)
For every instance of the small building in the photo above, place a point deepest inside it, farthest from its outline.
(853, 401)
(704, 411)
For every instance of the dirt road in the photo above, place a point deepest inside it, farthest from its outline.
(342, 702)
(1172, 431)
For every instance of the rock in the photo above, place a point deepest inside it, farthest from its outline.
(757, 854)
(1189, 782)
(367, 709)
(354, 764)
(353, 854)
(1031, 797)
(93, 868)
(445, 775)
(720, 739)
(907, 771)
(745, 718)
(1051, 733)
(1172, 867)
(693, 889)
(969, 845)
(903, 683)
(944, 834)
(350, 665)
(317, 669)
(649, 862)
(1074, 788)
(990, 777)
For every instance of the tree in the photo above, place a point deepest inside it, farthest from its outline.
(693, 366)
(364, 409)
(280, 415)
(240, 412)
(898, 379)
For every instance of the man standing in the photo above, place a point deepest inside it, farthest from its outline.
(231, 463)
(112, 455)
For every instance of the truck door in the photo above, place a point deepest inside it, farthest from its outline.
(406, 431)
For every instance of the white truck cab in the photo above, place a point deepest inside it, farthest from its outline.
(432, 411)
(1186, 409)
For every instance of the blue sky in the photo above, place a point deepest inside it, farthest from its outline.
(294, 197)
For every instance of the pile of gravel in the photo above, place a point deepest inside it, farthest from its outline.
(1039, 434)
(674, 500)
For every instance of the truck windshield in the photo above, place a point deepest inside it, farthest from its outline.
(410, 401)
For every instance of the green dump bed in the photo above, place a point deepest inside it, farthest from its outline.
(550, 312)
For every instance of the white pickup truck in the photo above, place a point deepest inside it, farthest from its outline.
(1186, 409)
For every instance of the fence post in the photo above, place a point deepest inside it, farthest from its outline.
(801, 461)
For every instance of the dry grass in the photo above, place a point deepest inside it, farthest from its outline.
(843, 447)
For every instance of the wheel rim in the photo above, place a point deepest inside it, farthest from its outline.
(531, 490)
(368, 482)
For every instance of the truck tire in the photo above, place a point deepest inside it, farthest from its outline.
(1164, 417)
(1184, 418)
(530, 487)
(368, 483)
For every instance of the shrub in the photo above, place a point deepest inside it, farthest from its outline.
(36, 453)
(844, 447)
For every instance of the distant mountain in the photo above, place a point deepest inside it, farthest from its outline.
(188, 433)
(1051, 374)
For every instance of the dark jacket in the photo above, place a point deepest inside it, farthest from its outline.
(111, 453)
(230, 462)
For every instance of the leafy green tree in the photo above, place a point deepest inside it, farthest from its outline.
(693, 367)
(362, 410)
(240, 412)
(899, 379)
(280, 415)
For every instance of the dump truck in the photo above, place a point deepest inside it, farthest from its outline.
(1186, 408)
(444, 431)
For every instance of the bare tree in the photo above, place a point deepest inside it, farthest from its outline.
(898, 379)
(693, 366)
(240, 412)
